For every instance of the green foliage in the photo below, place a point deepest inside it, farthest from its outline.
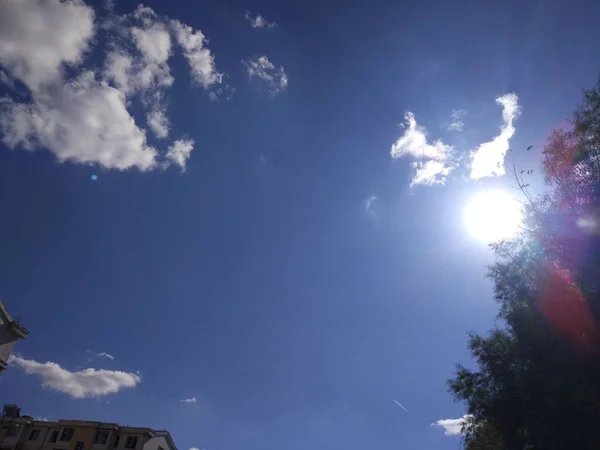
(537, 383)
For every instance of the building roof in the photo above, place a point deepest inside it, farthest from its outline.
(15, 326)
(87, 423)
(106, 425)
(167, 436)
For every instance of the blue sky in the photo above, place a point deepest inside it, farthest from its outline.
(276, 229)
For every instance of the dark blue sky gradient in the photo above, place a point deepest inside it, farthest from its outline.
(262, 288)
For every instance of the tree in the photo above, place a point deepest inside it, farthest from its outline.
(537, 384)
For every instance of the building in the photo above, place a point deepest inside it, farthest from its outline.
(19, 432)
(10, 332)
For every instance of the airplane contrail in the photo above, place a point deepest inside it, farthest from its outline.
(400, 405)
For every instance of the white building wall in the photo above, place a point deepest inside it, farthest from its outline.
(35, 443)
(155, 442)
(7, 340)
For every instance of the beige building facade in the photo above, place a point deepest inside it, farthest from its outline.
(19, 432)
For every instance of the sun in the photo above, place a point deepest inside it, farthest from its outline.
(493, 216)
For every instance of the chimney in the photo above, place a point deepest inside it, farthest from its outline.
(11, 411)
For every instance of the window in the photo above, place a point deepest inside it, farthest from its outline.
(79, 445)
(116, 442)
(67, 434)
(54, 436)
(12, 430)
(101, 437)
(34, 435)
(131, 442)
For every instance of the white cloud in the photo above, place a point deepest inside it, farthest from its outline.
(158, 122)
(154, 42)
(199, 58)
(452, 427)
(83, 384)
(259, 21)
(180, 151)
(431, 172)
(84, 121)
(414, 143)
(82, 115)
(456, 122)
(189, 401)
(109, 5)
(264, 69)
(118, 68)
(38, 36)
(6, 79)
(488, 159)
(144, 13)
(105, 355)
(433, 163)
(40, 419)
(147, 72)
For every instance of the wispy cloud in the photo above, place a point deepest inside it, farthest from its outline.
(456, 120)
(189, 401)
(199, 57)
(180, 152)
(259, 21)
(452, 427)
(221, 92)
(41, 419)
(431, 172)
(433, 160)
(5, 79)
(275, 78)
(368, 208)
(488, 159)
(158, 122)
(82, 384)
(401, 406)
(105, 355)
